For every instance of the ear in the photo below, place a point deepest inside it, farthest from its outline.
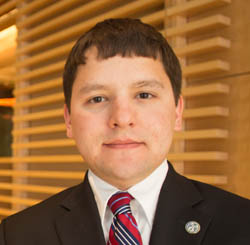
(178, 112)
(67, 120)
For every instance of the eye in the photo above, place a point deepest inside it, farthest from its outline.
(144, 95)
(97, 99)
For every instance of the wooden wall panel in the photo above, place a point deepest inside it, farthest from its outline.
(237, 167)
(194, 40)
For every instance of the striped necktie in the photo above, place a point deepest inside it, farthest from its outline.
(124, 228)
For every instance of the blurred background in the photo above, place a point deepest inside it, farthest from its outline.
(211, 39)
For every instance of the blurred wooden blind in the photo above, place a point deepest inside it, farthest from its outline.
(44, 161)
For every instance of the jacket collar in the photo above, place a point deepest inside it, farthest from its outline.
(80, 222)
(179, 203)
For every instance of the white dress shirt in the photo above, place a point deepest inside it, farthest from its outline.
(143, 206)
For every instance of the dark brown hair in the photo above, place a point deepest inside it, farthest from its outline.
(125, 37)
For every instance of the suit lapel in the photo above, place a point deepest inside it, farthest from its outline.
(80, 222)
(179, 202)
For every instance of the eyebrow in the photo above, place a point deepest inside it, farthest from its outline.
(148, 83)
(91, 87)
(139, 84)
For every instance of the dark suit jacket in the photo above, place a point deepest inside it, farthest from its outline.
(71, 217)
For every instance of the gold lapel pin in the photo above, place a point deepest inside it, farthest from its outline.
(192, 227)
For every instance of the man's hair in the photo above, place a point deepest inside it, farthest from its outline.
(127, 38)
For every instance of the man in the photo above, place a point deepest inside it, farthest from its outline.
(122, 86)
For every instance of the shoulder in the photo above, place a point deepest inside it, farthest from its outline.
(227, 210)
(230, 215)
(224, 205)
(46, 211)
(40, 223)
(211, 196)
(217, 195)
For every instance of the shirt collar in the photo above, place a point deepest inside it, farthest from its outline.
(146, 192)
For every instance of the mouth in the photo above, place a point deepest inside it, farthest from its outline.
(123, 144)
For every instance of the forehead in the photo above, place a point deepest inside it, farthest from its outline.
(130, 67)
(119, 75)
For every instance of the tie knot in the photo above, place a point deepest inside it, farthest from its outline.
(120, 203)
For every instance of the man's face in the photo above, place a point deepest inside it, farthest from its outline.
(122, 117)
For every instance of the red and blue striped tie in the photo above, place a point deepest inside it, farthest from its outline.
(124, 228)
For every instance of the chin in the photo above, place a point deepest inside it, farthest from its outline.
(127, 174)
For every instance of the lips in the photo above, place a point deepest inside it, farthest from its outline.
(123, 144)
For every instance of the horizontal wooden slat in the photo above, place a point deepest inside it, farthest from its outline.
(78, 29)
(39, 87)
(31, 188)
(198, 156)
(209, 179)
(8, 6)
(39, 115)
(42, 14)
(31, 8)
(204, 46)
(43, 174)
(39, 130)
(214, 88)
(48, 159)
(8, 20)
(155, 18)
(206, 112)
(6, 212)
(17, 200)
(198, 26)
(47, 55)
(53, 68)
(205, 68)
(67, 17)
(194, 7)
(4, 160)
(44, 144)
(201, 134)
(43, 100)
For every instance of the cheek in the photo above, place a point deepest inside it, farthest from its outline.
(87, 129)
(161, 124)
(82, 121)
(162, 135)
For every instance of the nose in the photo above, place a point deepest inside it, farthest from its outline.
(122, 115)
